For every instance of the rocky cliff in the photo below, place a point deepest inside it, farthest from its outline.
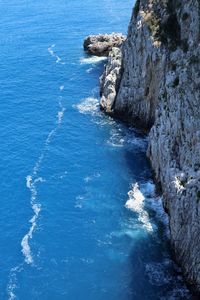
(154, 81)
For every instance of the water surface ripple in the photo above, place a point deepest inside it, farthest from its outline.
(79, 215)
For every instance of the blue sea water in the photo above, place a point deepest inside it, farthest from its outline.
(79, 218)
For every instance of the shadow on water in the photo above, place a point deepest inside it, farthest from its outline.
(138, 161)
(153, 273)
(151, 259)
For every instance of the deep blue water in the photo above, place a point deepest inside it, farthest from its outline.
(66, 169)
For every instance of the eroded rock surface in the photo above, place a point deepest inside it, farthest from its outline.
(110, 80)
(157, 85)
(102, 44)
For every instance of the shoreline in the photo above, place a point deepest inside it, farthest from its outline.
(142, 84)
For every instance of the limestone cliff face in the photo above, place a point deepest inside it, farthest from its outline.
(158, 87)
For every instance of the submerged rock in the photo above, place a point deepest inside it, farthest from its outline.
(156, 82)
(102, 44)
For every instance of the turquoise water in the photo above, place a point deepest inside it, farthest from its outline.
(79, 216)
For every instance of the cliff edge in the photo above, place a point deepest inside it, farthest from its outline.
(154, 81)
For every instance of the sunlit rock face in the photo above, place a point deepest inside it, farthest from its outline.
(110, 80)
(154, 82)
(102, 44)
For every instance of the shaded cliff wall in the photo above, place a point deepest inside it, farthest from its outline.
(158, 87)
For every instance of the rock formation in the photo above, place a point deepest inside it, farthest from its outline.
(154, 81)
(102, 44)
(110, 80)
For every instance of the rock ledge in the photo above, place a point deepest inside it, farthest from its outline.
(102, 44)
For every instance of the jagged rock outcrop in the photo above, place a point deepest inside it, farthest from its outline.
(157, 85)
(110, 80)
(102, 44)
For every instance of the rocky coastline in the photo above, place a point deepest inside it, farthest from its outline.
(153, 80)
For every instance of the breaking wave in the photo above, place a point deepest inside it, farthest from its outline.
(92, 60)
(154, 203)
(116, 138)
(136, 204)
(89, 105)
(120, 136)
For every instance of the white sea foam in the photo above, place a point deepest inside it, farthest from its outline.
(89, 70)
(155, 203)
(128, 232)
(11, 290)
(60, 115)
(138, 142)
(26, 250)
(78, 205)
(28, 181)
(120, 137)
(61, 87)
(61, 176)
(92, 59)
(32, 186)
(95, 91)
(61, 112)
(88, 106)
(39, 179)
(79, 201)
(116, 138)
(53, 54)
(50, 50)
(31, 183)
(87, 260)
(12, 284)
(46, 144)
(58, 59)
(148, 189)
(136, 204)
(91, 177)
(37, 164)
(88, 179)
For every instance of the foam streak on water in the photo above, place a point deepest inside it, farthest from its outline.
(74, 228)
(36, 207)
(12, 284)
(61, 112)
(53, 54)
(32, 181)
